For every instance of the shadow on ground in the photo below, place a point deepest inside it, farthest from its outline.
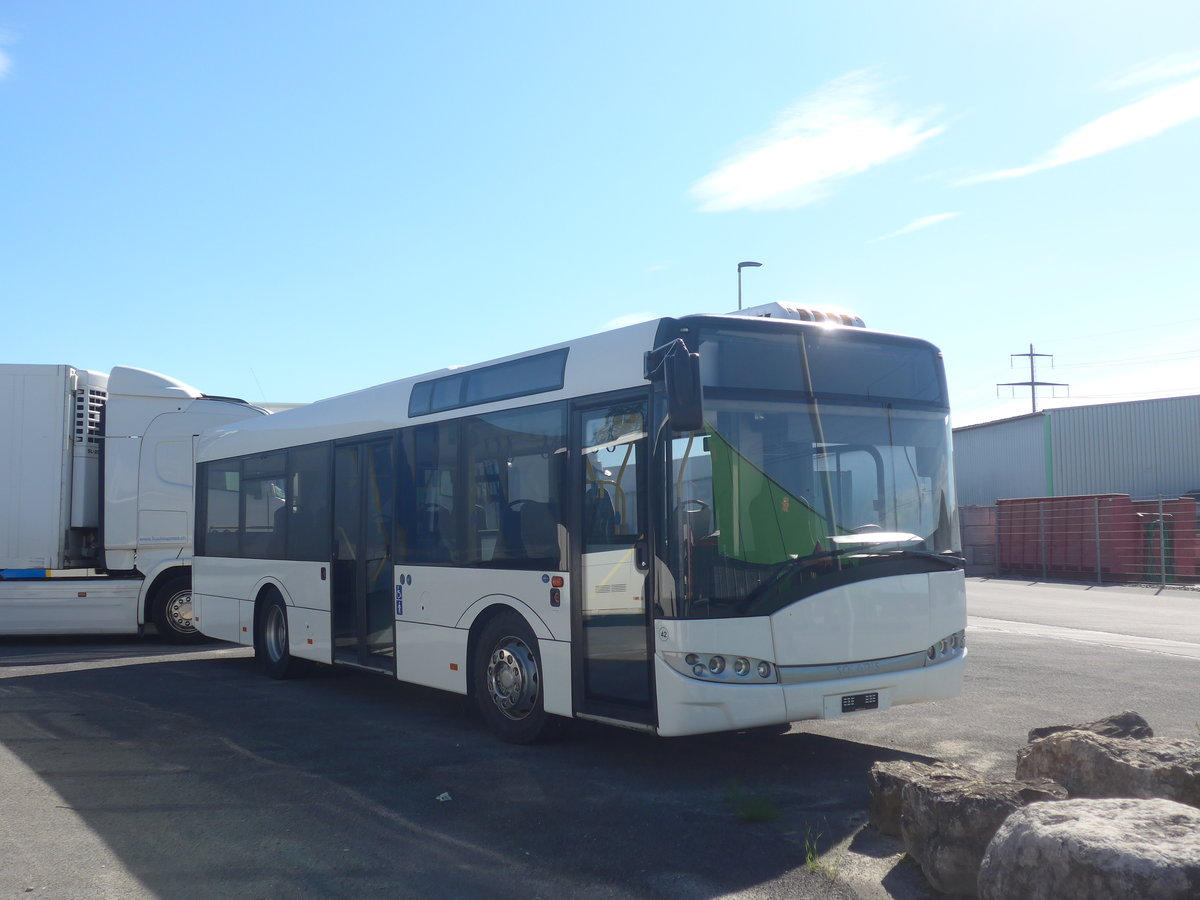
(205, 778)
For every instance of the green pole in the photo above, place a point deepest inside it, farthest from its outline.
(1048, 451)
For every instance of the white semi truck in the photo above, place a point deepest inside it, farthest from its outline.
(96, 476)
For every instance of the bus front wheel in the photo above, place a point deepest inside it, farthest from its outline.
(507, 680)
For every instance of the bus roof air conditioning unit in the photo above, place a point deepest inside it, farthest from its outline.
(803, 313)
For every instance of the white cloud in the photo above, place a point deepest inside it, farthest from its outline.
(918, 224)
(842, 129)
(1166, 69)
(1146, 118)
(5, 63)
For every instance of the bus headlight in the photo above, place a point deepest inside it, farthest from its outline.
(949, 647)
(717, 668)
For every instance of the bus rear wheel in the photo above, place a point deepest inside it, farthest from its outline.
(272, 643)
(171, 610)
(507, 680)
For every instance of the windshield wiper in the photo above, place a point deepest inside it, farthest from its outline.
(789, 566)
(948, 559)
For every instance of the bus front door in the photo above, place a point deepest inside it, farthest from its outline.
(612, 664)
(363, 503)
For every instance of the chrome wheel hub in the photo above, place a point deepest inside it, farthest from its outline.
(513, 678)
(179, 611)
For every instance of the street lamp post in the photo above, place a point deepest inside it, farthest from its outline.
(741, 266)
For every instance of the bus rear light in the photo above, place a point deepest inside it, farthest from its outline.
(716, 667)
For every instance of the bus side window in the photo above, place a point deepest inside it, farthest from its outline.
(432, 535)
(515, 463)
(218, 512)
(308, 535)
(264, 506)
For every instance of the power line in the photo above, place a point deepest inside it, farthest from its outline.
(1133, 360)
(1076, 336)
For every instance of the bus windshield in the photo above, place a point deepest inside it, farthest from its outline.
(821, 464)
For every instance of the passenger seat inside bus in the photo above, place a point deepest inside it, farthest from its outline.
(428, 543)
(600, 517)
(528, 530)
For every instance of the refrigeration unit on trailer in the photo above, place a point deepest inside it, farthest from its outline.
(96, 474)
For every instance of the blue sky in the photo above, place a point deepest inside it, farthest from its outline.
(285, 201)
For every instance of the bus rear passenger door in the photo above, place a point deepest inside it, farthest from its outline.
(363, 507)
(612, 654)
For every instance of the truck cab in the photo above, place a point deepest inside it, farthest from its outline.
(96, 527)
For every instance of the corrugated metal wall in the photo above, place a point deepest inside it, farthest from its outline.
(1000, 460)
(1144, 449)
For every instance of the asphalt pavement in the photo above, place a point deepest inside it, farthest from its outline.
(131, 769)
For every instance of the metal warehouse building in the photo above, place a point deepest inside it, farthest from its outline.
(1145, 448)
(1088, 492)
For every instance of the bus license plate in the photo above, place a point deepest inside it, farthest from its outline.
(856, 702)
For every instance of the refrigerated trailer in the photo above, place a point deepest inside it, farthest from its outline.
(96, 474)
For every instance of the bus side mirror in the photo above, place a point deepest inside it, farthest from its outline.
(684, 405)
(680, 371)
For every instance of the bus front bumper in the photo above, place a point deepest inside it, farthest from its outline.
(693, 706)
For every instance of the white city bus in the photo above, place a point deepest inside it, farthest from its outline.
(689, 525)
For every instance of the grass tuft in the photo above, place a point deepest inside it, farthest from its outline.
(750, 807)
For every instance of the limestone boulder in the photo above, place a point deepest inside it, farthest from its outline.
(1127, 724)
(886, 781)
(947, 820)
(1084, 849)
(1092, 765)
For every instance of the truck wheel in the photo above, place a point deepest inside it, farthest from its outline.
(171, 610)
(271, 644)
(507, 680)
